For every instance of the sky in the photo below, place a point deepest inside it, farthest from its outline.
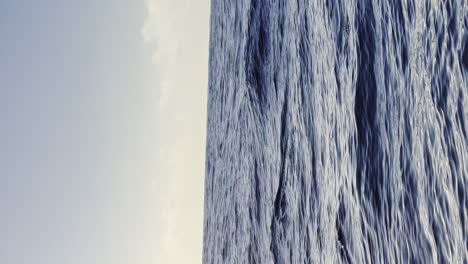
(102, 130)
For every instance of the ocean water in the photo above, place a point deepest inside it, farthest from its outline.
(337, 132)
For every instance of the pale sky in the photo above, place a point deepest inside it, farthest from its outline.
(102, 137)
(179, 33)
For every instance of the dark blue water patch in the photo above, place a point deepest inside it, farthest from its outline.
(451, 9)
(258, 48)
(464, 58)
(440, 89)
(257, 192)
(224, 250)
(334, 10)
(399, 35)
(369, 175)
(366, 88)
(460, 114)
(410, 7)
(342, 36)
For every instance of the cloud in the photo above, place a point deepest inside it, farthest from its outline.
(178, 32)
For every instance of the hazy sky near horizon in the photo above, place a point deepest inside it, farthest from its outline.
(103, 120)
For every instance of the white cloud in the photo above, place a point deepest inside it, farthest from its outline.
(179, 32)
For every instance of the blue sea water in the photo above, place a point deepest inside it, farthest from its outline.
(337, 132)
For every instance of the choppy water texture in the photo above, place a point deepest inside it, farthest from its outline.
(337, 132)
